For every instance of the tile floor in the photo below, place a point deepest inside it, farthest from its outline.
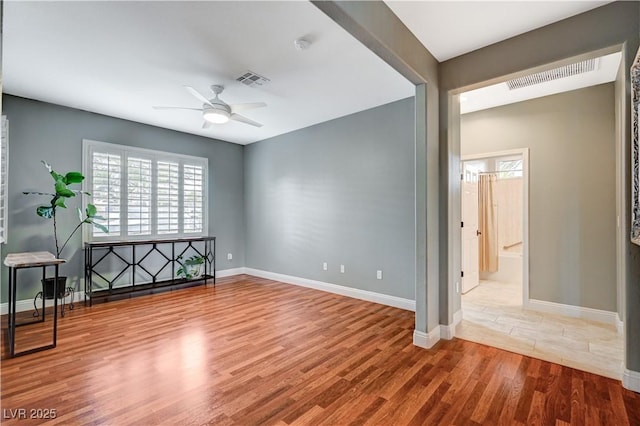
(492, 314)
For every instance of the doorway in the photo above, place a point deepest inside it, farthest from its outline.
(569, 319)
(494, 243)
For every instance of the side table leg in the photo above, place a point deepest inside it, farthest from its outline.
(12, 313)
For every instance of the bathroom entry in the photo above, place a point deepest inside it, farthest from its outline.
(493, 194)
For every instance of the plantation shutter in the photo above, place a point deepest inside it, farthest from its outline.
(193, 193)
(139, 193)
(144, 194)
(106, 190)
(168, 197)
(4, 175)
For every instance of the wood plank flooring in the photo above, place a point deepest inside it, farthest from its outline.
(253, 351)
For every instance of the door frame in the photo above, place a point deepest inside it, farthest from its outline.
(524, 152)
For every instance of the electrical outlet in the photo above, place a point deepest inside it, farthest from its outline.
(325, 266)
(342, 269)
(379, 274)
(229, 256)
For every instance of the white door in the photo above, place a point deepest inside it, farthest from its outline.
(470, 253)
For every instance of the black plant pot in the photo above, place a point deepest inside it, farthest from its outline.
(48, 287)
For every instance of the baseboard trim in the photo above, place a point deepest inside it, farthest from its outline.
(448, 332)
(426, 340)
(369, 296)
(231, 272)
(598, 315)
(631, 380)
(27, 304)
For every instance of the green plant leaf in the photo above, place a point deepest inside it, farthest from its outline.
(73, 177)
(91, 210)
(101, 227)
(45, 211)
(63, 191)
(59, 202)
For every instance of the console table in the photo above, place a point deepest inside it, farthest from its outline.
(119, 269)
(14, 262)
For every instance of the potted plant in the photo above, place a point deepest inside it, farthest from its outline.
(61, 193)
(191, 268)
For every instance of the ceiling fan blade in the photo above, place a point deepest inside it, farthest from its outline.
(244, 107)
(245, 120)
(171, 107)
(206, 124)
(197, 95)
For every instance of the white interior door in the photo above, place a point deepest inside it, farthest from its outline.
(470, 253)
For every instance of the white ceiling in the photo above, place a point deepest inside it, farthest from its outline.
(451, 28)
(606, 70)
(120, 58)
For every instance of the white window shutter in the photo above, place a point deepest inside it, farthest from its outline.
(4, 177)
(139, 193)
(144, 193)
(168, 197)
(106, 189)
(193, 198)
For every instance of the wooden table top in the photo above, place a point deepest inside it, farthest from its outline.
(31, 259)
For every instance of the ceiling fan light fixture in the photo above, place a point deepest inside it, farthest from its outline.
(217, 116)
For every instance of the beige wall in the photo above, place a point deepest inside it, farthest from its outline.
(508, 193)
(572, 222)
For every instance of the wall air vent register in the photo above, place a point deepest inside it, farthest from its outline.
(252, 79)
(554, 74)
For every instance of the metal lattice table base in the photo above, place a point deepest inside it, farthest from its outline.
(68, 292)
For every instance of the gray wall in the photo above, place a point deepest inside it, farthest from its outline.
(378, 28)
(42, 131)
(340, 192)
(572, 202)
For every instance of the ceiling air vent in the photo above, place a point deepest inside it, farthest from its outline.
(554, 74)
(252, 79)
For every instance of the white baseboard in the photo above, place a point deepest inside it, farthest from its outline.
(448, 332)
(231, 272)
(369, 296)
(426, 340)
(631, 380)
(591, 314)
(27, 304)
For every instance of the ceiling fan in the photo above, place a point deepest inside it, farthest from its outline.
(217, 111)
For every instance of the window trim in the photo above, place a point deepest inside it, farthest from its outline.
(89, 146)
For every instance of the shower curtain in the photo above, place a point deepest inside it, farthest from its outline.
(488, 223)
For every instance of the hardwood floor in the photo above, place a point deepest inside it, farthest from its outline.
(261, 352)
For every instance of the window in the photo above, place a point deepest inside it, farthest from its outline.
(510, 168)
(145, 194)
(4, 175)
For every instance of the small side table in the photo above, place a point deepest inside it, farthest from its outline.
(15, 261)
